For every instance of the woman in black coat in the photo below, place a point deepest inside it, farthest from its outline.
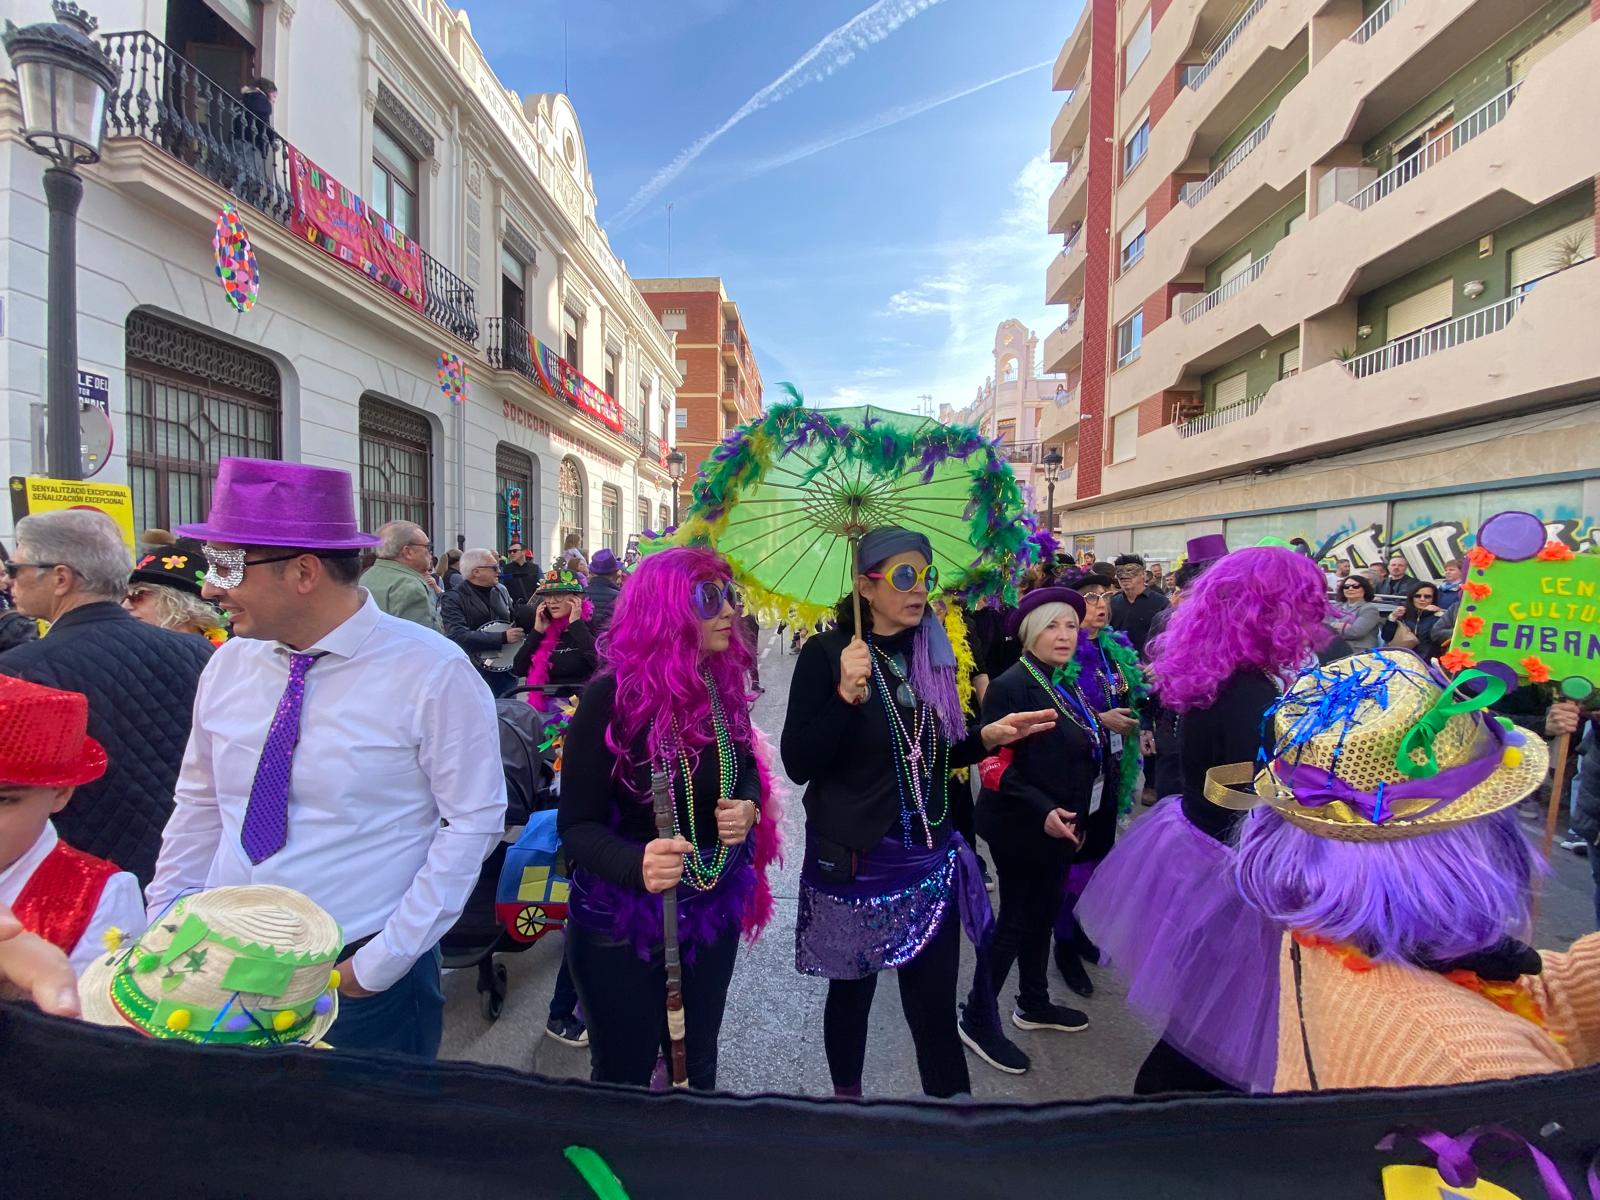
(1040, 800)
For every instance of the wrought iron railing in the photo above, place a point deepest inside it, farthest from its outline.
(632, 430)
(1226, 415)
(1227, 291)
(1226, 44)
(1379, 18)
(1024, 453)
(164, 99)
(1441, 147)
(508, 347)
(1424, 342)
(653, 448)
(1193, 193)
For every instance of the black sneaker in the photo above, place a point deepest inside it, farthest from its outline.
(1070, 964)
(569, 1031)
(1056, 1016)
(999, 1051)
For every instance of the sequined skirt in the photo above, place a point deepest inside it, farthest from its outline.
(887, 914)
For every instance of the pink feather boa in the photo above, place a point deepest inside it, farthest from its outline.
(539, 664)
(768, 847)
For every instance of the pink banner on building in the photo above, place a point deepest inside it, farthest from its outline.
(561, 378)
(332, 217)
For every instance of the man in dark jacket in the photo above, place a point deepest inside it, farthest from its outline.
(520, 574)
(478, 600)
(604, 588)
(71, 568)
(1136, 605)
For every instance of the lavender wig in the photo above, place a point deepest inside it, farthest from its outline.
(1261, 609)
(1428, 899)
(653, 649)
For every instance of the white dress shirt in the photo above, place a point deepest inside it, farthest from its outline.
(120, 903)
(397, 731)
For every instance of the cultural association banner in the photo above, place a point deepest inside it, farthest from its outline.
(561, 378)
(86, 1111)
(336, 220)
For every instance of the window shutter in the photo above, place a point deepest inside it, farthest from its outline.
(1235, 269)
(1132, 230)
(1138, 47)
(1425, 308)
(1125, 435)
(1231, 390)
(1547, 255)
(1289, 363)
(1554, 40)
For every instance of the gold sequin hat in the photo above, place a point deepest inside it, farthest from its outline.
(1379, 746)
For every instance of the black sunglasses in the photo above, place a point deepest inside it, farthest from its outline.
(13, 567)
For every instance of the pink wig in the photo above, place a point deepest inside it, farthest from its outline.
(653, 648)
(1260, 609)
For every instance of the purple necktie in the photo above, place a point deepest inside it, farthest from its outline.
(266, 817)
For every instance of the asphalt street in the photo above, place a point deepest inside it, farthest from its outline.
(772, 1033)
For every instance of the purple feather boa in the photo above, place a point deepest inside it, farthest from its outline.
(703, 917)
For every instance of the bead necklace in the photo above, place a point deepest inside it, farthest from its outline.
(699, 873)
(1077, 711)
(920, 752)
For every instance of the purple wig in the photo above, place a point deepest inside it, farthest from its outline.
(653, 649)
(1428, 899)
(1260, 609)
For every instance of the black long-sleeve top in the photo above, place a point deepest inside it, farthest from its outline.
(1232, 730)
(844, 753)
(1049, 770)
(603, 825)
(574, 660)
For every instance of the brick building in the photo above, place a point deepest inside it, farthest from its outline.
(721, 383)
(1272, 212)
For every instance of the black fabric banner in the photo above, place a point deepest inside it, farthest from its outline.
(90, 1112)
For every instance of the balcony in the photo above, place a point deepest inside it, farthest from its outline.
(1063, 346)
(165, 101)
(1064, 278)
(1194, 193)
(1074, 56)
(1072, 122)
(1069, 202)
(1437, 150)
(1058, 423)
(1530, 353)
(509, 347)
(1222, 416)
(1227, 291)
(1197, 79)
(1379, 18)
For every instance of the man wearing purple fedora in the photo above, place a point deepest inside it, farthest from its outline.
(336, 750)
(605, 585)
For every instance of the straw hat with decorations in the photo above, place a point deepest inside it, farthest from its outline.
(233, 966)
(560, 582)
(1378, 747)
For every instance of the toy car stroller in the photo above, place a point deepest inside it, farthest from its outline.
(521, 893)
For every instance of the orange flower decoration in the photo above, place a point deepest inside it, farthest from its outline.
(1472, 626)
(1478, 591)
(1537, 671)
(1554, 552)
(1479, 557)
(1457, 660)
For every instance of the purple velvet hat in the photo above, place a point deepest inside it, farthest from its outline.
(1206, 548)
(264, 502)
(604, 562)
(1044, 595)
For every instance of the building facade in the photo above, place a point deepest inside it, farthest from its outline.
(414, 222)
(1016, 404)
(721, 386)
(1327, 267)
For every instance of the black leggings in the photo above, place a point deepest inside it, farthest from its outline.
(1030, 897)
(928, 999)
(1167, 1069)
(624, 1001)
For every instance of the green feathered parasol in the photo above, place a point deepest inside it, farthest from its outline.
(784, 497)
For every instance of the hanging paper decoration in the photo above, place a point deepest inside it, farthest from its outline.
(236, 260)
(453, 377)
(513, 514)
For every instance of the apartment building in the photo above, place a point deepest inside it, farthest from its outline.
(1328, 272)
(408, 213)
(721, 387)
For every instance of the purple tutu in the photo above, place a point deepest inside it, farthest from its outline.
(1200, 963)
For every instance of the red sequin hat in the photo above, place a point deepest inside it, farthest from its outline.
(44, 740)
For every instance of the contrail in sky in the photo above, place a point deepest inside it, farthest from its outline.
(866, 29)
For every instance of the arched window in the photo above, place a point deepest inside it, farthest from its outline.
(665, 517)
(644, 515)
(1008, 371)
(396, 465)
(610, 517)
(192, 399)
(571, 487)
(516, 478)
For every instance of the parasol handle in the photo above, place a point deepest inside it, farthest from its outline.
(855, 582)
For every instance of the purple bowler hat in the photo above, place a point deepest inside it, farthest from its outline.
(264, 502)
(1206, 548)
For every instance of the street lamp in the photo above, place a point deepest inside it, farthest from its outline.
(63, 78)
(1052, 472)
(677, 467)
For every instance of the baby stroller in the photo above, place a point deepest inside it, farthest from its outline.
(521, 893)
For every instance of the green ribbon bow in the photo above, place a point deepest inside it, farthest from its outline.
(1453, 702)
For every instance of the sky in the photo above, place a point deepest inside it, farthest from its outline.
(868, 177)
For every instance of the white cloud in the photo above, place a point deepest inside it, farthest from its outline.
(861, 32)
